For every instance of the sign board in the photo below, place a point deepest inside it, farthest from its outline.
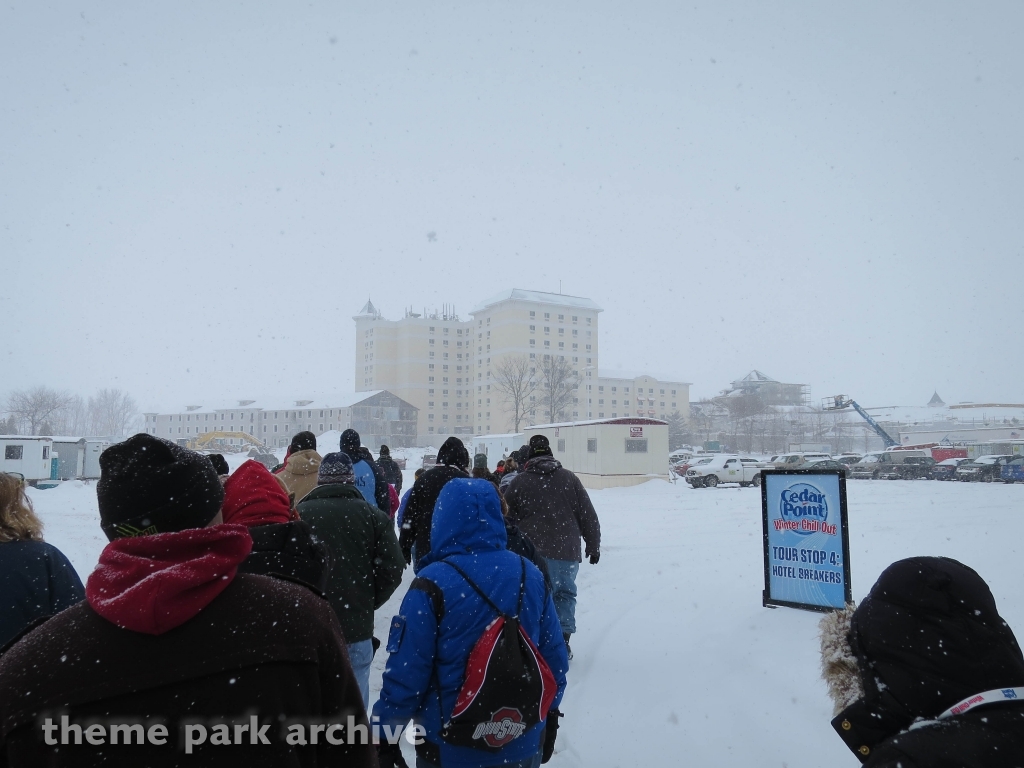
(806, 539)
(636, 431)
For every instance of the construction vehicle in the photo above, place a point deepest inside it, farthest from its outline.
(842, 402)
(222, 441)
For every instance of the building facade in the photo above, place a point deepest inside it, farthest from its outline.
(449, 368)
(378, 416)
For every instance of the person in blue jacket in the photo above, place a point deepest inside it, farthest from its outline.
(370, 480)
(442, 618)
(36, 580)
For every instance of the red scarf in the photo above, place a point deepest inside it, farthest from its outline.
(153, 584)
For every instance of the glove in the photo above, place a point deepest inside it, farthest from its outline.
(390, 756)
(595, 556)
(550, 732)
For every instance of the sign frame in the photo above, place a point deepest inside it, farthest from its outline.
(767, 600)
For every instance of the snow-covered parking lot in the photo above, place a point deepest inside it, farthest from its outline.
(676, 662)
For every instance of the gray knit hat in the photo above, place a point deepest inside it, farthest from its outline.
(336, 468)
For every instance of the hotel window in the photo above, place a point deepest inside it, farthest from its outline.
(532, 313)
(547, 315)
(547, 343)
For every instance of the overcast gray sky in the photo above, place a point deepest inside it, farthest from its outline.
(195, 198)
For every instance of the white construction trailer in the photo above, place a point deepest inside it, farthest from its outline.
(606, 453)
(79, 456)
(496, 447)
(29, 456)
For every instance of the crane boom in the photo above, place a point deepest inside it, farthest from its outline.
(840, 402)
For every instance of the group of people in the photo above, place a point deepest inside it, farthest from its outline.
(245, 601)
(238, 609)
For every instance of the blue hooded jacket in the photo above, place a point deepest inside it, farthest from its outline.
(469, 530)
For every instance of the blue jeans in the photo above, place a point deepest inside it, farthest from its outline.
(361, 655)
(530, 762)
(563, 589)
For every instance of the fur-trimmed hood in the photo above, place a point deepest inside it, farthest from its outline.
(927, 636)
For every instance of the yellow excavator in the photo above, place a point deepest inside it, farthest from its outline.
(220, 441)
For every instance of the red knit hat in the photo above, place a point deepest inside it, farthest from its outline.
(253, 496)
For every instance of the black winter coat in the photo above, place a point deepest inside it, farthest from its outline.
(289, 551)
(520, 543)
(391, 472)
(262, 647)
(36, 580)
(927, 637)
(419, 512)
(551, 506)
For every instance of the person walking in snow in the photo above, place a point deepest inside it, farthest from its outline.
(452, 462)
(400, 514)
(550, 505)
(925, 672)
(392, 473)
(480, 471)
(171, 633)
(300, 466)
(443, 616)
(368, 563)
(36, 579)
(370, 480)
(282, 545)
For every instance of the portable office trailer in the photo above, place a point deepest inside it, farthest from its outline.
(28, 455)
(606, 453)
(93, 448)
(497, 447)
(70, 453)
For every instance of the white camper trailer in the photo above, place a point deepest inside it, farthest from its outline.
(27, 455)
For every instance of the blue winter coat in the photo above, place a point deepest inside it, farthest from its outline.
(36, 580)
(468, 529)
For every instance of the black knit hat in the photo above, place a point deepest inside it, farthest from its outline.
(453, 453)
(480, 461)
(539, 446)
(219, 464)
(384, 451)
(350, 440)
(302, 441)
(149, 485)
(335, 468)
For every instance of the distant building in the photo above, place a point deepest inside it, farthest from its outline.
(936, 401)
(448, 367)
(379, 417)
(770, 391)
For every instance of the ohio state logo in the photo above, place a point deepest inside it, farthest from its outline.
(505, 725)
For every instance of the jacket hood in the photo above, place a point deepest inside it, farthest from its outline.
(544, 465)
(152, 584)
(453, 452)
(303, 463)
(467, 519)
(927, 636)
(253, 496)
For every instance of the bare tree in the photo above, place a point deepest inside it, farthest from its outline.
(705, 415)
(559, 384)
(676, 430)
(516, 382)
(112, 412)
(32, 407)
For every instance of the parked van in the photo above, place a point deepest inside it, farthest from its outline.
(888, 465)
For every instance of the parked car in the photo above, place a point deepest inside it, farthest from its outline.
(429, 461)
(797, 460)
(849, 459)
(725, 468)
(911, 468)
(946, 468)
(827, 464)
(680, 467)
(884, 464)
(1013, 470)
(984, 468)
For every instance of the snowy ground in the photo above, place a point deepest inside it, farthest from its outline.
(676, 662)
